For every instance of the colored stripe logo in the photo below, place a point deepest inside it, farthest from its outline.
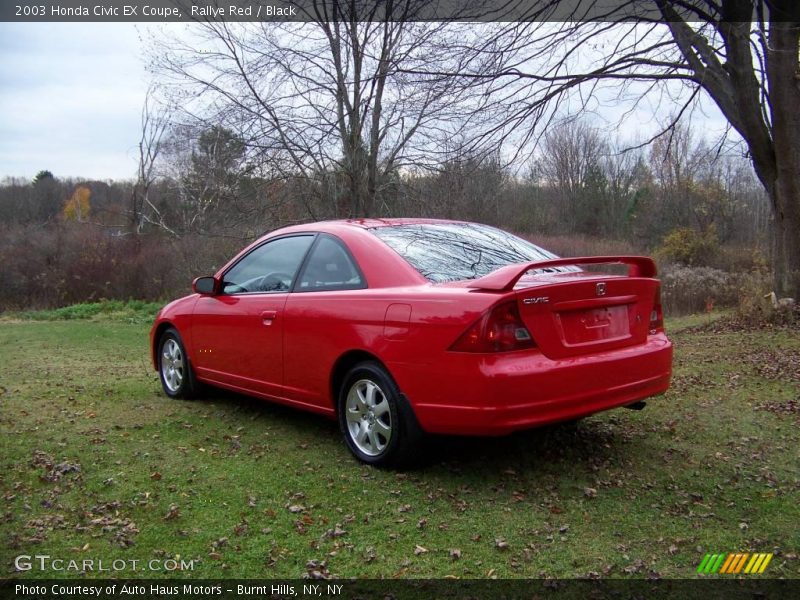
(735, 562)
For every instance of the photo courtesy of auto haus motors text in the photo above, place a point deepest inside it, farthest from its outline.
(134, 589)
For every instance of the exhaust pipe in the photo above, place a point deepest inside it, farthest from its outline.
(637, 405)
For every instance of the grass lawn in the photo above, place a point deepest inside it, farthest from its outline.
(96, 463)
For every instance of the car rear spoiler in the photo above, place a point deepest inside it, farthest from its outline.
(505, 278)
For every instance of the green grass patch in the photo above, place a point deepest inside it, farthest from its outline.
(97, 463)
(675, 324)
(130, 311)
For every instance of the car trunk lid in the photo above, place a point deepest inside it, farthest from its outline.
(574, 313)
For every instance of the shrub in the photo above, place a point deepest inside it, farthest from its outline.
(68, 263)
(132, 311)
(687, 290)
(740, 259)
(689, 247)
(754, 304)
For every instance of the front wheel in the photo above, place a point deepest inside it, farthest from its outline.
(174, 368)
(378, 426)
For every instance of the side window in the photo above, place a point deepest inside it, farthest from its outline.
(269, 268)
(329, 268)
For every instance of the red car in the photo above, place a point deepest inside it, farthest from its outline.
(400, 327)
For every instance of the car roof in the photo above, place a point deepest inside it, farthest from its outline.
(341, 226)
(389, 270)
(391, 222)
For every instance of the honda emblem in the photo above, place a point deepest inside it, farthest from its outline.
(600, 290)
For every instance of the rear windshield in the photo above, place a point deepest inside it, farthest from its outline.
(455, 251)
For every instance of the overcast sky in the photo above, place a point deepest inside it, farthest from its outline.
(71, 96)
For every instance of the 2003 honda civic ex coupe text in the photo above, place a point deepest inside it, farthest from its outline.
(400, 327)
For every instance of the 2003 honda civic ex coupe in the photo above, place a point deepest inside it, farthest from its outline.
(400, 327)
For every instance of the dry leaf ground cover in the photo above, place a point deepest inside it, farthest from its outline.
(95, 463)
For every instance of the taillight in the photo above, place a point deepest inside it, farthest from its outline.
(657, 315)
(500, 329)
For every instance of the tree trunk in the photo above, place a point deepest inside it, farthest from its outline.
(784, 100)
(786, 236)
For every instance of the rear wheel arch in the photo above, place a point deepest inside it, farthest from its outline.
(376, 419)
(342, 367)
(345, 363)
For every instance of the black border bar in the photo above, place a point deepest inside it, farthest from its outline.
(141, 11)
(706, 588)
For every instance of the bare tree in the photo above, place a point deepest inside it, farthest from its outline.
(742, 54)
(326, 99)
(142, 209)
(627, 173)
(570, 150)
(571, 155)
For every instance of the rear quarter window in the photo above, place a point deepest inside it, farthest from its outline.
(330, 267)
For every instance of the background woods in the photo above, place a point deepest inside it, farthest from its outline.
(68, 240)
(528, 126)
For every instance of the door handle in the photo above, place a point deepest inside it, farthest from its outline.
(268, 316)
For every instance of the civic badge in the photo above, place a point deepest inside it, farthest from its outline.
(600, 290)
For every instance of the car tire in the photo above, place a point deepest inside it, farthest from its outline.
(174, 368)
(377, 422)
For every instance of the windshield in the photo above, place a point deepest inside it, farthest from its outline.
(454, 251)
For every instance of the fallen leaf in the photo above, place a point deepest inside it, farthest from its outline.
(335, 532)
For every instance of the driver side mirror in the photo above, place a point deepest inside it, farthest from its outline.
(205, 285)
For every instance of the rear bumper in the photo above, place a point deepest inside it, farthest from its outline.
(498, 394)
